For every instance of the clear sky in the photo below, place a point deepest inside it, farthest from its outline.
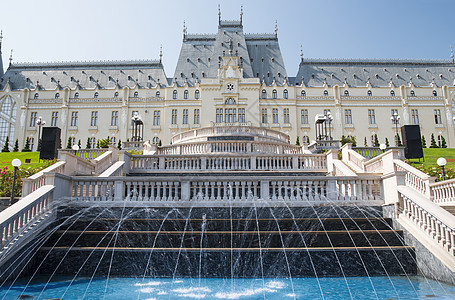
(60, 30)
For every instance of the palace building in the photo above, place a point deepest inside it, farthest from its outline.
(227, 78)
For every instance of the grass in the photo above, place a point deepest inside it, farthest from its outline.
(432, 154)
(7, 157)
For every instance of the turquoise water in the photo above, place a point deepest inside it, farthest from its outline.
(190, 288)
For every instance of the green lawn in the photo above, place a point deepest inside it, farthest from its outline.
(7, 157)
(432, 154)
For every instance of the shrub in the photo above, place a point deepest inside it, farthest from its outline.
(433, 142)
(6, 146)
(16, 146)
(27, 145)
(424, 142)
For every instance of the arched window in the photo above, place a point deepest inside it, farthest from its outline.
(285, 94)
(157, 94)
(174, 94)
(36, 96)
(303, 93)
(369, 93)
(96, 95)
(326, 93)
(196, 94)
(57, 95)
(156, 140)
(346, 93)
(136, 94)
(229, 100)
(115, 94)
(185, 94)
(264, 94)
(76, 95)
(435, 93)
(392, 93)
(274, 94)
(7, 119)
(413, 93)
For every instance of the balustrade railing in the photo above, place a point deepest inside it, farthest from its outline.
(414, 178)
(15, 219)
(34, 182)
(133, 145)
(87, 154)
(443, 192)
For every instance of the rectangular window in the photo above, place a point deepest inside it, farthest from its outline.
(32, 143)
(371, 117)
(156, 117)
(264, 116)
(174, 116)
(437, 116)
(114, 118)
(219, 115)
(275, 115)
(415, 116)
(74, 116)
(347, 116)
(242, 115)
(94, 119)
(54, 118)
(326, 112)
(33, 119)
(185, 116)
(286, 115)
(196, 116)
(230, 115)
(304, 116)
(392, 113)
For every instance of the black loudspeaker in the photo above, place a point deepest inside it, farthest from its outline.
(412, 141)
(50, 142)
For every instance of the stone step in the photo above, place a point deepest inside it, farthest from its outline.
(450, 209)
(226, 239)
(298, 224)
(226, 262)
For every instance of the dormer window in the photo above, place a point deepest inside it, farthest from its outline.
(136, 94)
(57, 95)
(369, 93)
(392, 93)
(157, 94)
(346, 93)
(96, 95)
(196, 94)
(435, 93)
(413, 94)
(303, 93)
(76, 95)
(274, 94)
(264, 94)
(185, 94)
(285, 94)
(115, 94)
(326, 93)
(36, 96)
(174, 94)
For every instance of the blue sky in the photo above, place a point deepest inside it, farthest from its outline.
(52, 30)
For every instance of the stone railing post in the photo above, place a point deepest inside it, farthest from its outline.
(126, 157)
(332, 193)
(331, 155)
(118, 190)
(295, 162)
(344, 152)
(390, 182)
(161, 163)
(253, 162)
(185, 189)
(265, 190)
(62, 184)
(204, 163)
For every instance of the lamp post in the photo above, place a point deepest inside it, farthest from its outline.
(40, 122)
(395, 119)
(16, 163)
(382, 147)
(136, 121)
(75, 147)
(442, 162)
(330, 119)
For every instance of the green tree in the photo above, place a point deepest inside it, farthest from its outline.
(68, 144)
(39, 145)
(307, 139)
(365, 144)
(6, 146)
(159, 143)
(433, 142)
(297, 141)
(104, 143)
(399, 141)
(424, 142)
(119, 145)
(97, 144)
(79, 144)
(16, 146)
(376, 140)
(88, 145)
(387, 144)
(353, 141)
(27, 145)
(443, 142)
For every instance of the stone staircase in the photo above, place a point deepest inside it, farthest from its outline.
(450, 209)
(214, 245)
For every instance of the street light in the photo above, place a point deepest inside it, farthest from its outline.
(382, 147)
(40, 122)
(16, 163)
(442, 162)
(330, 119)
(75, 147)
(395, 119)
(136, 122)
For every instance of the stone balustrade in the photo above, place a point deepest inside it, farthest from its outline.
(301, 162)
(34, 182)
(371, 152)
(87, 154)
(15, 219)
(443, 192)
(133, 145)
(414, 178)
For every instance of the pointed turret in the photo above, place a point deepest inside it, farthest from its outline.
(1, 61)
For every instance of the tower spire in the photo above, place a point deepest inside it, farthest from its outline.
(219, 15)
(11, 57)
(184, 29)
(276, 27)
(1, 61)
(451, 53)
(241, 14)
(161, 53)
(301, 53)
